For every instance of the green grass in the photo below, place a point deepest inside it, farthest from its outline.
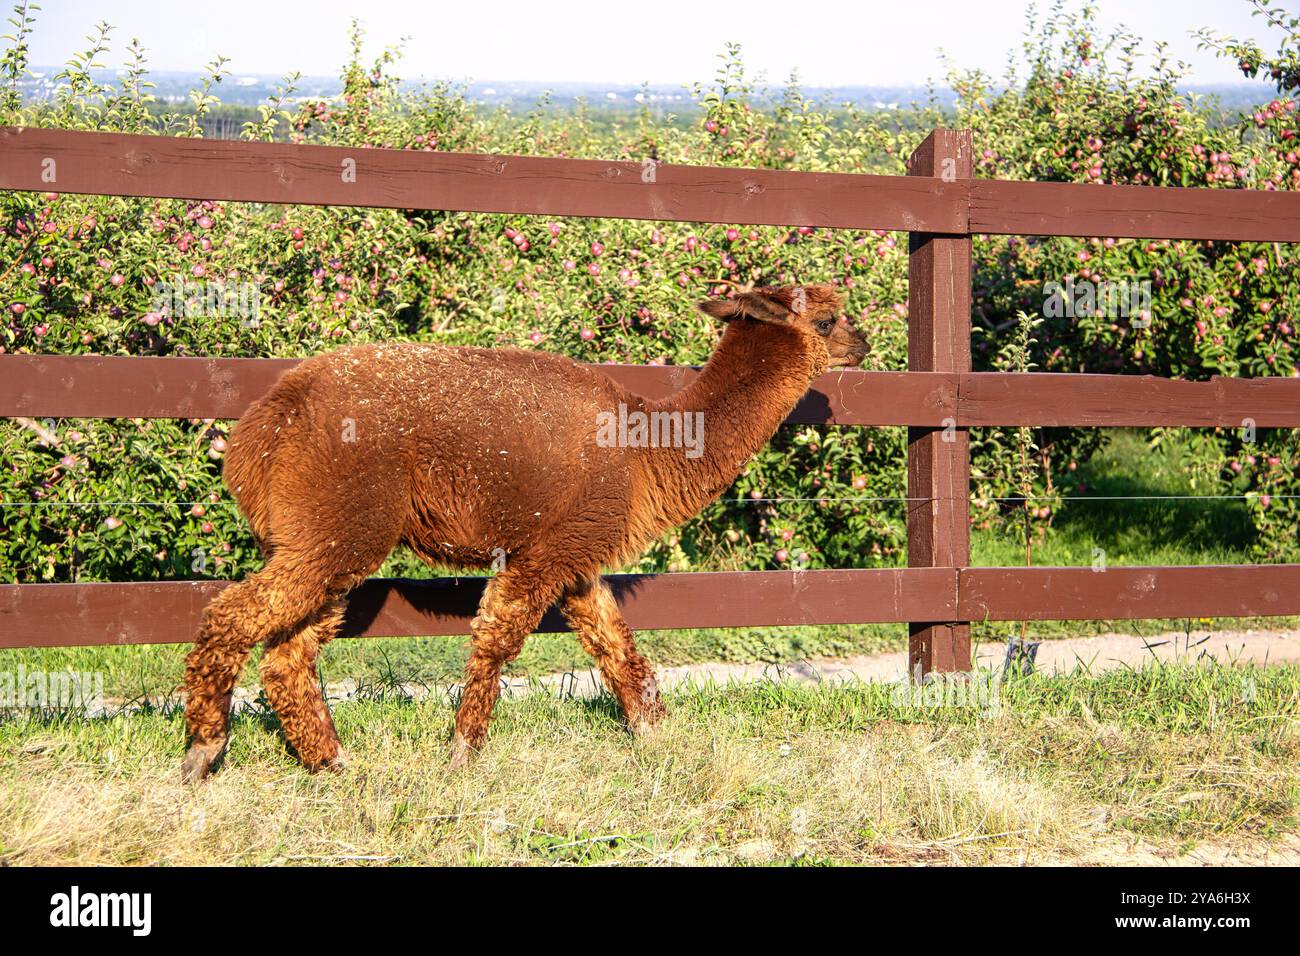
(1066, 770)
(1204, 530)
(152, 671)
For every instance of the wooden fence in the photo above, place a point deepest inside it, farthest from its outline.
(939, 398)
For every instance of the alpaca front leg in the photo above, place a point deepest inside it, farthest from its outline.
(507, 614)
(593, 613)
(290, 679)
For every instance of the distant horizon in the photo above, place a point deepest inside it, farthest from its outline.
(48, 71)
(249, 89)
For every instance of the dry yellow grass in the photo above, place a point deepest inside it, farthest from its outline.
(761, 774)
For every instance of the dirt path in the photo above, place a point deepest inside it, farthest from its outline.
(1091, 654)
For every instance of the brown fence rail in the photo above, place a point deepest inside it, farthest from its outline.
(104, 386)
(938, 398)
(114, 164)
(166, 612)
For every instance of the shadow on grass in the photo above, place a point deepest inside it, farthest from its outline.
(1128, 467)
(1192, 524)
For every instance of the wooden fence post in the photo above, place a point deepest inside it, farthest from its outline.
(938, 459)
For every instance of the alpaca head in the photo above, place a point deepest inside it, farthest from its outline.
(814, 312)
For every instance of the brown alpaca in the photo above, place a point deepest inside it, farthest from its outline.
(465, 454)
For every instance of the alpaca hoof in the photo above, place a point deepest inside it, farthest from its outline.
(644, 729)
(338, 763)
(199, 760)
(646, 723)
(461, 751)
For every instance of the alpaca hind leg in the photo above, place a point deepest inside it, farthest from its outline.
(262, 605)
(509, 611)
(592, 612)
(292, 685)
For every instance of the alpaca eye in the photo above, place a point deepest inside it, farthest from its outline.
(824, 327)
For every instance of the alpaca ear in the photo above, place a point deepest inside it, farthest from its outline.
(722, 309)
(753, 305)
(764, 308)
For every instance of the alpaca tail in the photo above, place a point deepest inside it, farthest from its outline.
(254, 447)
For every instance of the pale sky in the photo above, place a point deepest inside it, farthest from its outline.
(863, 42)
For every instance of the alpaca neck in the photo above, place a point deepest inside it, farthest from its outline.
(755, 377)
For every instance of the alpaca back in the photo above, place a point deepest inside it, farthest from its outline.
(487, 450)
